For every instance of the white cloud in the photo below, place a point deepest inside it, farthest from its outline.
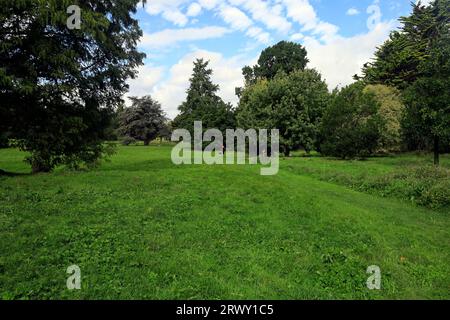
(425, 2)
(341, 58)
(169, 37)
(238, 20)
(353, 12)
(297, 36)
(235, 18)
(209, 4)
(147, 78)
(169, 10)
(302, 12)
(260, 11)
(194, 10)
(259, 34)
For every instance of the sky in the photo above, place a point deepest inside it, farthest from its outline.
(339, 36)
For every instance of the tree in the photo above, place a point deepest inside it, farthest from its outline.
(292, 103)
(351, 125)
(58, 85)
(430, 100)
(143, 121)
(203, 104)
(414, 59)
(284, 57)
(391, 111)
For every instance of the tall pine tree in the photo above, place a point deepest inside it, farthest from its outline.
(203, 104)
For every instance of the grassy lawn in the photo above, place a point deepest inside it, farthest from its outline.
(140, 227)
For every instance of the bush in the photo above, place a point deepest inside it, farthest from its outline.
(427, 186)
(392, 111)
(292, 103)
(351, 127)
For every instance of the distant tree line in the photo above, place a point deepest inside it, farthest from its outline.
(61, 89)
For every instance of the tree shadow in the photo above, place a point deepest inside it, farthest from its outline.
(13, 174)
(154, 165)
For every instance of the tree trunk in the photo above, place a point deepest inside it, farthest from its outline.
(146, 142)
(287, 152)
(37, 167)
(436, 151)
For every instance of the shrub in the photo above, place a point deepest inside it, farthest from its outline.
(351, 127)
(391, 110)
(292, 103)
(428, 186)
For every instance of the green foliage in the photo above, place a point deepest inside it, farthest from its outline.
(352, 124)
(392, 112)
(292, 103)
(143, 121)
(58, 86)
(417, 59)
(203, 103)
(284, 57)
(428, 101)
(426, 186)
(399, 61)
(408, 177)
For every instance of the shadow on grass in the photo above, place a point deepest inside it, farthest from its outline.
(13, 174)
(142, 166)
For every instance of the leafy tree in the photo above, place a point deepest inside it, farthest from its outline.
(429, 98)
(351, 125)
(391, 111)
(57, 85)
(292, 103)
(203, 103)
(143, 121)
(284, 57)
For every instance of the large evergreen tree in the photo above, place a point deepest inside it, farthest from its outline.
(416, 59)
(203, 104)
(58, 84)
(144, 120)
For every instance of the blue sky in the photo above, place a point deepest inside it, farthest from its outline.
(339, 35)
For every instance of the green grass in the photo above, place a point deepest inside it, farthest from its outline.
(411, 177)
(140, 227)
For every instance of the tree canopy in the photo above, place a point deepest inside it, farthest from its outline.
(284, 57)
(352, 125)
(58, 84)
(292, 103)
(402, 59)
(143, 121)
(392, 111)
